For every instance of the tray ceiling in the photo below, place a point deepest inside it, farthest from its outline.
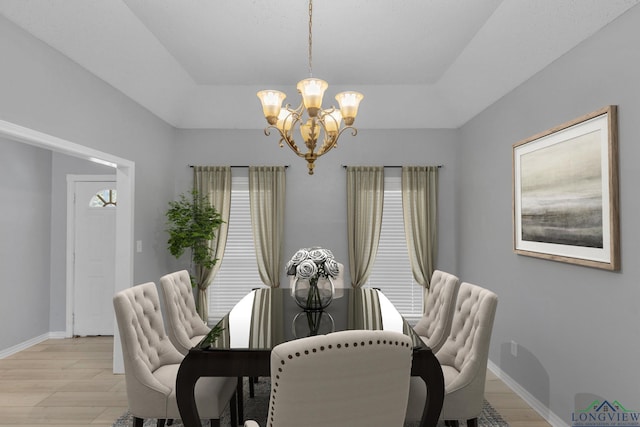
(420, 63)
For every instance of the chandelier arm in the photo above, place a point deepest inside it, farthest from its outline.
(328, 144)
(354, 131)
(284, 137)
(297, 111)
(329, 140)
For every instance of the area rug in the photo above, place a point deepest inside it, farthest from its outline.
(256, 409)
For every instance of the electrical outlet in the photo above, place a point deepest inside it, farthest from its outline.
(514, 348)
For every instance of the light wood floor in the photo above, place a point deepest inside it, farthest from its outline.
(70, 382)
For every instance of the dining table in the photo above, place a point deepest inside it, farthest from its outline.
(240, 344)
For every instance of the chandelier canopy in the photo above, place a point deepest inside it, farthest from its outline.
(316, 124)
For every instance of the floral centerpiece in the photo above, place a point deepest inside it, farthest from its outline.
(313, 269)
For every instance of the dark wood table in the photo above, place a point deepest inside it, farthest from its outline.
(268, 317)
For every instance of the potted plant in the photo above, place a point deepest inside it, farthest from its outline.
(191, 223)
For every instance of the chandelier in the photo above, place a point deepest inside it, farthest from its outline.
(319, 128)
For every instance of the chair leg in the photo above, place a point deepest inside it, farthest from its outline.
(169, 422)
(233, 409)
(452, 423)
(473, 422)
(251, 388)
(240, 396)
(215, 423)
(160, 422)
(138, 422)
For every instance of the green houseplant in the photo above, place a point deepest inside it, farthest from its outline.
(191, 223)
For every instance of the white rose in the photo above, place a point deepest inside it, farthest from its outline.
(299, 256)
(318, 255)
(331, 267)
(306, 270)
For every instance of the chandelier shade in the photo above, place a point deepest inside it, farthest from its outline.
(349, 103)
(312, 91)
(319, 128)
(271, 104)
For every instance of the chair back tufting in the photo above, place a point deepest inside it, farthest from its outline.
(439, 304)
(351, 378)
(471, 327)
(184, 326)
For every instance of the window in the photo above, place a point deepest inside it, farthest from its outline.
(238, 273)
(104, 198)
(392, 269)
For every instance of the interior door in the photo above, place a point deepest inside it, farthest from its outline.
(94, 257)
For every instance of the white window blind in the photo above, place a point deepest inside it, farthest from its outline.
(238, 273)
(391, 272)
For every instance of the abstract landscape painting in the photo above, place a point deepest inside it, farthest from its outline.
(565, 192)
(561, 193)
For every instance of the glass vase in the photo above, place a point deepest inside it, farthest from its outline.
(310, 323)
(313, 294)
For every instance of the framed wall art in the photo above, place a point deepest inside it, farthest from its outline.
(565, 192)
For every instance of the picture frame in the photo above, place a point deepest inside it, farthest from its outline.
(565, 192)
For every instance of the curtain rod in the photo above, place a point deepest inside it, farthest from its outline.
(394, 166)
(234, 166)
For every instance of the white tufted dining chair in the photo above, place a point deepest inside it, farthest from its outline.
(184, 326)
(351, 378)
(151, 363)
(463, 358)
(439, 304)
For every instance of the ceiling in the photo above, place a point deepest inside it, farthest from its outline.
(419, 63)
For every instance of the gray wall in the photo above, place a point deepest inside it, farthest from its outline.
(45, 91)
(316, 206)
(25, 195)
(577, 327)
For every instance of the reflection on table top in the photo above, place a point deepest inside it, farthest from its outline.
(267, 317)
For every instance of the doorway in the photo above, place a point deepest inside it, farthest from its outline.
(125, 177)
(93, 225)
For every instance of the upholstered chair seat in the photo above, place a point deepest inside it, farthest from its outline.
(151, 363)
(463, 358)
(350, 378)
(440, 301)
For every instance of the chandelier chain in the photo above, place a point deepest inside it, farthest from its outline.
(310, 38)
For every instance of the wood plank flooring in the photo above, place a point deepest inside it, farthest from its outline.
(69, 382)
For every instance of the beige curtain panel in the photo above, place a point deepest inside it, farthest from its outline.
(419, 205)
(267, 197)
(365, 193)
(215, 183)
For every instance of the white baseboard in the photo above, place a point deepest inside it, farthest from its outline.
(535, 404)
(58, 335)
(29, 343)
